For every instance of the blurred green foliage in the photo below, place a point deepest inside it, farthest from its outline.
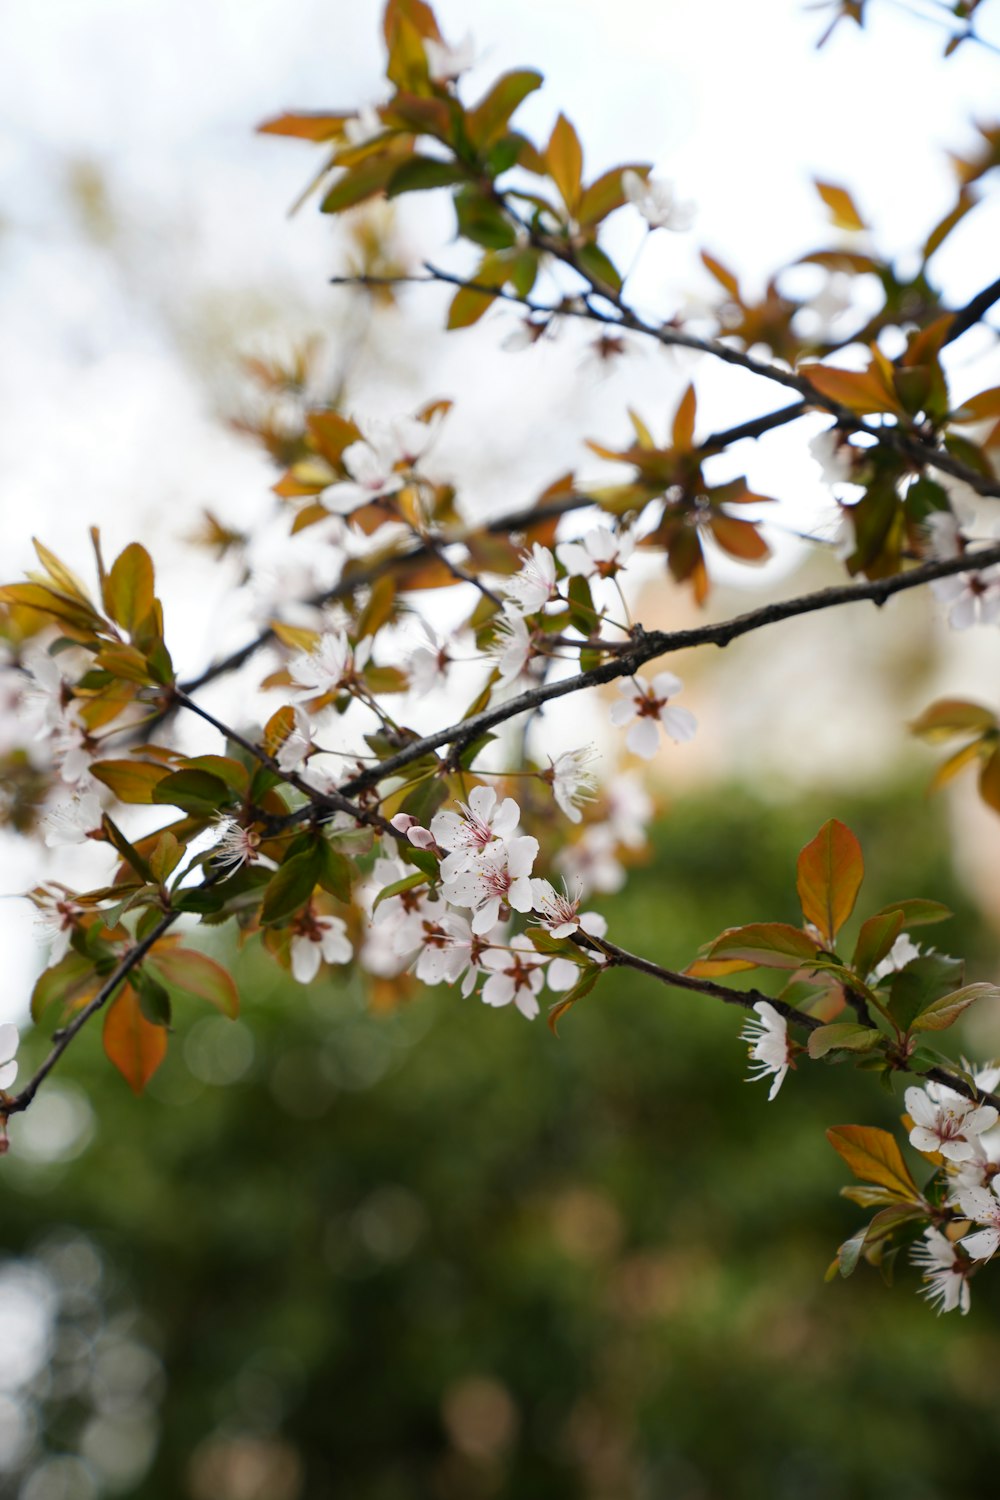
(441, 1253)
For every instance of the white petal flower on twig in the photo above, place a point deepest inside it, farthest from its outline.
(499, 880)
(444, 63)
(770, 1050)
(949, 1126)
(655, 198)
(944, 1270)
(560, 913)
(72, 822)
(235, 845)
(318, 938)
(332, 664)
(599, 554)
(9, 1039)
(512, 648)
(516, 973)
(982, 1206)
(902, 952)
(649, 705)
(293, 750)
(534, 585)
(969, 598)
(480, 825)
(571, 782)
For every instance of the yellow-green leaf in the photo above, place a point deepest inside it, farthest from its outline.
(874, 1156)
(130, 589)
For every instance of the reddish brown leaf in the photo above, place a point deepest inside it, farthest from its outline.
(830, 871)
(132, 1043)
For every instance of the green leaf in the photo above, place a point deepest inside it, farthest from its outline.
(483, 221)
(334, 872)
(876, 937)
(917, 912)
(369, 177)
(598, 267)
(422, 173)
(132, 857)
(467, 307)
(944, 1012)
(850, 1252)
(583, 986)
(774, 945)
(129, 594)
(193, 791)
(490, 116)
(920, 983)
(408, 883)
(196, 974)
(154, 1002)
(849, 1036)
(292, 886)
(830, 872)
(130, 780)
(72, 979)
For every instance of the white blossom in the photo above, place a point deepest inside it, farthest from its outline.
(649, 705)
(499, 879)
(9, 1039)
(56, 916)
(294, 749)
(656, 199)
(599, 554)
(970, 598)
(333, 663)
(512, 647)
(534, 585)
(949, 1126)
(318, 938)
(427, 666)
(944, 1270)
(982, 1206)
(516, 973)
(769, 1046)
(592, 862)
(364, 126)
(47, 695)
(72, 822)
(571, 782)
(835, 455)
(560, 913)
(947, 529)
(444, 63)
(235, 845)
(630, 809)
(480, 825)
(450, 950)
(902, 952)
(372, 461)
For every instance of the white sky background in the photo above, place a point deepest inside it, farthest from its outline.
(119, 344)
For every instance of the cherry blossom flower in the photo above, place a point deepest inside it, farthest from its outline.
(836, 456)
(658, 203)
(982, 1206)
(428, 665)
(56, 917)
(372, 462)
(649, 705)
(630, 809)
(516, 973)
(332, 664)
(902, 952)
(444, 63)
(48, 694)
(499, 879)
(571, 782)
(770, 1051)
(414, 831)
(560, 913)
(944, 1270)
(592, 862)
(293, 750)
(479, 826)
(318, 938)
(534, 586)
(946, 529)
(9, 1039)
(364, 127)
(970, 598)
(450, 950)
(72, 822)
(404, 916)
(599, 554)
(72, 751)
(948, 1126)
(235, 845)
(512, 648)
